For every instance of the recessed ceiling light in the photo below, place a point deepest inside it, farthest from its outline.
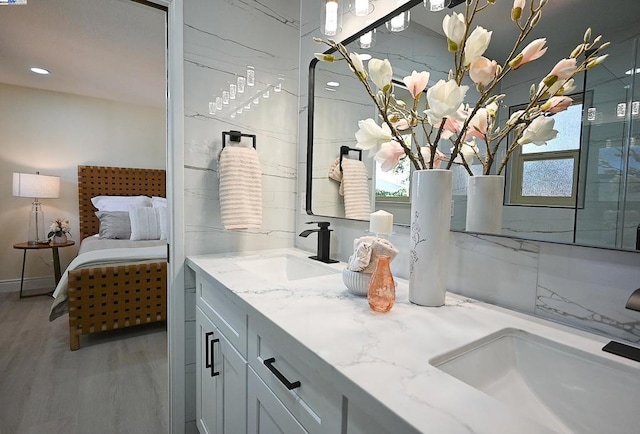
(629, 72)
(39, 71)
(364, 57)
(333, 84)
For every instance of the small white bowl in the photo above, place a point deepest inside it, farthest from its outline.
(356, 283)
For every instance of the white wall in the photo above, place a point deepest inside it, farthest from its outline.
(220, 39)
(53, 133)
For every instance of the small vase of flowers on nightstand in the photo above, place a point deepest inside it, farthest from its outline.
(58, 231)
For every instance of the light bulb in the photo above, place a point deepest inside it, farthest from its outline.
(212, 108)
(331, 18)
(361, 8)
(247, 107)
(400, 22)
(434, 5)
(367, 40)
(241, 82)
(265, 95)
(218, 103)
(256, 101)
(621, 109)
(251, 76)
(232, 91)
(278, 86)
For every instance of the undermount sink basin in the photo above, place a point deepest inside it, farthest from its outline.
(285, 268)
(562, 387)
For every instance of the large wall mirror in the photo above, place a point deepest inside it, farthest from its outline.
(584, 188)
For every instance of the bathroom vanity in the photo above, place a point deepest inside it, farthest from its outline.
(283, 347)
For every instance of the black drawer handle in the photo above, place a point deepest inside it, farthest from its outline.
(213, 360)
(289, 385)
(207, 357)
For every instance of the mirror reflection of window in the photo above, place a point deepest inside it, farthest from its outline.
(547, 175)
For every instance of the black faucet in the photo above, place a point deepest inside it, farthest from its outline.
(324, 241)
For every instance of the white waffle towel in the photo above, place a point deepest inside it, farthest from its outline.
(240, 188)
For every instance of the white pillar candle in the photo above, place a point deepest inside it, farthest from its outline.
(381, 222)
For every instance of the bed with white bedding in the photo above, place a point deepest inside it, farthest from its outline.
(113, 283)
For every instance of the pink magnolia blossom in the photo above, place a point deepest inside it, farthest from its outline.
(437, 160)
(416, 82)
(483, 71)
(556, 104)
(389, 155)
(564, 69)
(478, 125)
(531, 52)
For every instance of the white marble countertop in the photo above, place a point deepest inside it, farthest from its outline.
(386, 355)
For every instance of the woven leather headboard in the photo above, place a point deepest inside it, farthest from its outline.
(113, 181)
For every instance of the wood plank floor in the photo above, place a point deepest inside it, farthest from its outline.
(117, 382)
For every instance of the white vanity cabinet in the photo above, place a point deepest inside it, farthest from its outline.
(221, 369)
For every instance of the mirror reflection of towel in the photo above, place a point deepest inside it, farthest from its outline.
(240, 188)
(354, 186)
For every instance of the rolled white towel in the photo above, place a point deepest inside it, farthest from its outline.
(366, 251)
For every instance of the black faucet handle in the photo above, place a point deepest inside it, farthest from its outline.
(322, 225)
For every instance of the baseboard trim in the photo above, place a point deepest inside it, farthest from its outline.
(33, 283)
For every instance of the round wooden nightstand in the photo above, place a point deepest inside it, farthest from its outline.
(56, 261)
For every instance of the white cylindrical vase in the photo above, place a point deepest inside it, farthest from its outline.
(485, 194)
(429, 242)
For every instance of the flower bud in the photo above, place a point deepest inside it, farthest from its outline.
(597, 61)
(516, 11)
(318, 40)
(587, 35)
(536, 18)
(325, 57)
(577, 51)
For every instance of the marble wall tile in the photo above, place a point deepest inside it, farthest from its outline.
(497, 270)
(588, 288)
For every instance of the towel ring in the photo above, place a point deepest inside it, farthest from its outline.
(236, 136)
(344, 150)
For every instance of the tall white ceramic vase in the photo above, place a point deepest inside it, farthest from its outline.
(485, 195)
(429, 243)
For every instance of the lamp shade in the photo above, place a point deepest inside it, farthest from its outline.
(36, 186)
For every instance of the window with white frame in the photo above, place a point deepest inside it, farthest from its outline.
(547, 175)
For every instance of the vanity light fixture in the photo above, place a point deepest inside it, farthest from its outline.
(434, 5)
(367, 40)
(621, 109)
(591, 114)
(256, 101)
(265, 95)
(225, 97)
(635, 108)
(40, 71)
(212, 108)
(247, 107)
(278, 86)
(218, 103)
(400, 22)
(239, 111)
(361, 8)
(232, 91)
(331, 17)
(233, 115)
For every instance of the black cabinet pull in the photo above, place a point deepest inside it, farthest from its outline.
(207, 357)
(213, 360)
(289, 385)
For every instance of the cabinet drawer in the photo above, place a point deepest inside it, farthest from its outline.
(305, 394)
(230, 319)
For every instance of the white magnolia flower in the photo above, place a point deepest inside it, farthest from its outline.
(477, 44)
(371, 135)
(469, 150)
(380, 72)
(357, 62)
(539, 132)
(444, 99)
(454, 27)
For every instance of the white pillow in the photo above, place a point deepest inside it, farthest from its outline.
(145, 223)
(119, 203)
(158, 202)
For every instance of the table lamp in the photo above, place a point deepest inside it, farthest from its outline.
(38, 187)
